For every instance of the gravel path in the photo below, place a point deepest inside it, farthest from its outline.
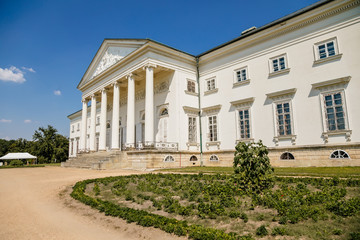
(35, 204)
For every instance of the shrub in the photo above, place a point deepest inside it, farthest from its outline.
(337, 231)
(253, 171)
(261, 231)
(279, 231)
(16, 163)
(354, 236)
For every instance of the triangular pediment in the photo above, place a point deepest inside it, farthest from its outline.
(110, 52)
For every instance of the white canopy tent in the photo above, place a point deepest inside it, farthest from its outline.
(13, 156)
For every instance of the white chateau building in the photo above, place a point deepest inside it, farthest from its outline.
(293, 83)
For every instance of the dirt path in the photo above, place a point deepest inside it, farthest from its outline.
(35, 204)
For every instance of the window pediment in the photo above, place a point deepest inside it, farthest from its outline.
(246, 102)
(338, 83)
(212, 110)
(282, 94)
(191, 110)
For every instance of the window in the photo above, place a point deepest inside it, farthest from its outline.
(244, 123)
(339, 154)
(214, 158)
(334, 111)
(287, 156)
(326, 50)
(213, 128)
(191, 86)
(169, 158)
(192, 129)
(283, 119)
(193, 158)
(78, 127)
(97, 120)
(241, 75)
(108, 125)
(164, 112)
(210, 84)
(72, 128)
(278, 64)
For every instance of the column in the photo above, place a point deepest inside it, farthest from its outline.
(102, 140)
(115, 118)
(83, 126)
(93, 123)
(149, 105)
(130, 125)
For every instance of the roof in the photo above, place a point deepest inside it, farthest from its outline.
(24, 155)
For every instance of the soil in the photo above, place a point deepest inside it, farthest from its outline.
(35, 204)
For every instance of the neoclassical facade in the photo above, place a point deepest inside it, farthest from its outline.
(292, 83)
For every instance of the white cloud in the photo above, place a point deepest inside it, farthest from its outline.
(6, 138)
(5, 120)
(12, 74)
(29, 69)
(57, 92)
(27, 121)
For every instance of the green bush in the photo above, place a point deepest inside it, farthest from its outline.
(253, 171)
(16, 163)
(261, 231)
(279, 231)
(354, 236)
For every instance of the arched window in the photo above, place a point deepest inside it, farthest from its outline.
(143, 117)
(339, 154)
(287, 156)
(214, 158)
(164, 112)
(107, 125)
(169, 158)
(193, 158)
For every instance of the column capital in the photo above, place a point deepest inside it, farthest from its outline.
(84, 100)
(149, 65)
(104, 89)
(130, 75)
(116, 83)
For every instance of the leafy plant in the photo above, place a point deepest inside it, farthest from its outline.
(253, 171)
(261, 231)
(16, 163)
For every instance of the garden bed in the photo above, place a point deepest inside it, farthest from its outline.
(215, 207)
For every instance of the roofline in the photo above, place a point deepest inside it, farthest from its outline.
(280, 20)
(74, 113)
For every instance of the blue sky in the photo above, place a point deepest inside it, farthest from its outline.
(46, 46)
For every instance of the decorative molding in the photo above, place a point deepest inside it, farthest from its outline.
(245, 140)
(191, 93)
(192, 144)
(332, 84)
(191, 110)
(149, 65)
(130, 75)
(161, 87)
(215, 90)
(291, 137)
(212, 109)
(346, 133)
(215, 143)
(280, 72)
(246, 102)
(282, 93)
(244, 82)
(328, 59)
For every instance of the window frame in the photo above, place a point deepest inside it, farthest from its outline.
(317, 56)
(212, 125)
(193, 134)
(169, 156)
(238, 110)
(287, 154)
(277, 126)
(238, 82)
(189, 91)
(214, 155)
(325, 115)
(211, 89)
(339, 150)
(272, 71)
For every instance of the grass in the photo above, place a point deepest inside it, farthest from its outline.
(32, 165)
(286, 171)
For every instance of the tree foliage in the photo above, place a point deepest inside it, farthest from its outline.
(47, 145)
(252, 166)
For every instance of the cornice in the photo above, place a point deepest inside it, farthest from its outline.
(191, 110)
(290, 91)
(243, 101)
(212, 109)
(324, 84)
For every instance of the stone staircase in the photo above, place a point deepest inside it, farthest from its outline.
(97, 160)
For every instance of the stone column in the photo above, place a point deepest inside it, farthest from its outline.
(130, 125)
(102, 140)
(93, 123)
(115, 118)
(83, 126)
(149, 105)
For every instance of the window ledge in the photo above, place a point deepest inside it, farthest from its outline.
(236, 84)
(328, 59)
(191, 93)
(346, 133)
(214, 143)
(284, 137)
(286, 70)
(245, 140)
(215, 90)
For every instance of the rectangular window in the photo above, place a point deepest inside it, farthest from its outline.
(72, 128)
(334, 111)
(241, 75)
(192, 129)
(283, 116)
(78, 127)
(326, 50)
(278, 64)
(191, 86)
(97, 120)
(213, 128)
(210, 84)
(244, 123)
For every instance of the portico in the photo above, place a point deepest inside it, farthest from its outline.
(136, 86)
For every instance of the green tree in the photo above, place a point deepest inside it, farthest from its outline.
(252, 166)
(49, 145)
